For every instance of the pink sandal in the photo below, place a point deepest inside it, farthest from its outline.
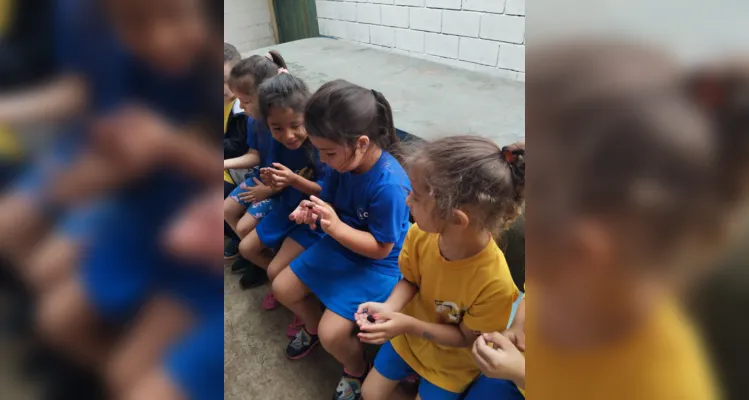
(269, 302)
(294, 327)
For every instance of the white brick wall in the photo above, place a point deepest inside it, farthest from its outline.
(486, 36)
(247, 24)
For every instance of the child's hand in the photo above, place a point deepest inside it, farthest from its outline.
(387, 326)
(266, 176)
(259, 192)
(503, 361)
(329, 221)
(367, 310)
(304, 215)
(282, 177)
(134, 139)
(517, 337)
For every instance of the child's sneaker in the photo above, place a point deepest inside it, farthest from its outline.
(294, 327)
(253, 277)
(241, 265)
(231, 249)
(349, 387)
(269, 302)
(301, 345)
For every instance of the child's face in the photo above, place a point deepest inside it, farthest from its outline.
(422, 208)
(247, 102)
(287, 127)
(169, 35)
(340, 157)
(228, 94)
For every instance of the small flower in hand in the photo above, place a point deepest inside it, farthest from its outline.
(304, 215)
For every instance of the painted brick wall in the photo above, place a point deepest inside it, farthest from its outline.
(478, 35)
(247, 24)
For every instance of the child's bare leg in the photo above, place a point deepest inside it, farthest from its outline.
(54, 261)
(245, 225)
(337, 338)
(21, 226)
(289, 250)
(161, 322)
(252, 249)
(155, 385)
(294, 295)
(233, 213)
(377, 387)
(66, 320)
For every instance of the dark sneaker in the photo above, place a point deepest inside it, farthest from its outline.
(349, 387)
(241, 265)
(231, 249)
(301, 345)
(253, 277)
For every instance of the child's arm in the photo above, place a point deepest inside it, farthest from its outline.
(283, 177)
(396, 324)
(249, 160)
(59, 99)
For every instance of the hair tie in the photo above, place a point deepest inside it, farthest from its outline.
(511, 155)
(283, 71)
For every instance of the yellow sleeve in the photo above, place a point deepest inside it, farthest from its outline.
(408, 259)
(491, 311)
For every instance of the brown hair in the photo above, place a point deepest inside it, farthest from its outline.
(231, 54)
(475, 175)
(341, 112)
(251, 72)
(622, 133)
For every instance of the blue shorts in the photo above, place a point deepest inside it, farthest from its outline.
(493, 389)
(275, 227)
(340, 281)
(390, 365)
(83, 223)
(46, 166)
(257, 209)
(196, 363)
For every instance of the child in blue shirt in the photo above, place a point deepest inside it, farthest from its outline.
(363, 211)
(294, 173)
(249, 201)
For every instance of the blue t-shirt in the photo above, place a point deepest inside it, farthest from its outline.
(259, 138)
(374, 201)
(304, 162)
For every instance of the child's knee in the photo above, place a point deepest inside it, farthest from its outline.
(275, 269)
(332, 335)
(246, 225)
(285, 291)
(371, 390)
(250, 247)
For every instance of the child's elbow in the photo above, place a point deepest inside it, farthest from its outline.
(383, 251)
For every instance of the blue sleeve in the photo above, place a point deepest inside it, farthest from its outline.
(387, 212)
(68, 36)
(252, 134)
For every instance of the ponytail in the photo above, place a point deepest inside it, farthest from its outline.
(390, 141)
(723, 95)
(275, 56)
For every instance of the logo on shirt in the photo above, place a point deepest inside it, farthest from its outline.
(306, 173)
(449, 312)
(362, 214)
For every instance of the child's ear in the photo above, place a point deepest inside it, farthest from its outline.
(460, 218)
(362, 142)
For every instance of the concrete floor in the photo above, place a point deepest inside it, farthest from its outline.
(429, 100)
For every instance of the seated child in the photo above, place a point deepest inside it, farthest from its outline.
(639, 177)
(456, 281)
(250, 201)
(363, 211)
(235, 140)
(294, 172)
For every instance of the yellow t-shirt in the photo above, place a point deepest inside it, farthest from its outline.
(227, 113)
(663, 361)
(6, 11)
(478, 291)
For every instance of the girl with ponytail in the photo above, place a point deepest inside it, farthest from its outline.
(363, 210)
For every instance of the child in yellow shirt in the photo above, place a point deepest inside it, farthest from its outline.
(457, 283)
(639, 167)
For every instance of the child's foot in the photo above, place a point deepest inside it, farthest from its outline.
(294, 327)
(241, 265)
(301, 345)
(253, 277)
(349, 387)
(269, 302)
(231, 249)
